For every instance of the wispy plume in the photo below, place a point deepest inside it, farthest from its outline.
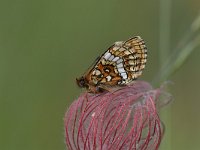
(125, 119)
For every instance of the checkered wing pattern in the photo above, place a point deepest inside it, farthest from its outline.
(122, 63)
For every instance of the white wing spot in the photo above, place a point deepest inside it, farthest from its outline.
(97, 72)
(108, 78)
(120, 70)
(119, 61)
(124, 75)
(107, 55)
(119, 65)
(111, 57)
(115, 59)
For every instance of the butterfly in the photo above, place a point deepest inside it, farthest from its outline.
(119, 65)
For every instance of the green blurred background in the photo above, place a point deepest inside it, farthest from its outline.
(46, 44)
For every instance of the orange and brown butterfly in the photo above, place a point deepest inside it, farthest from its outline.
(122, 63)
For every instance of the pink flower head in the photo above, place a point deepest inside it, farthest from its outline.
(125, 119)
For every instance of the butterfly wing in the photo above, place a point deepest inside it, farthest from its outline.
(122, 63)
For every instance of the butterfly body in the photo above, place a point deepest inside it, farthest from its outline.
(122, 63)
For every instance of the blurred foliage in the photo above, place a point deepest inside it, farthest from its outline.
(46, 44)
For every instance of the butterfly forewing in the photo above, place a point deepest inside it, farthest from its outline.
(122, 63)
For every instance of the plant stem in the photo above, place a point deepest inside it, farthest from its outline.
(164, 51)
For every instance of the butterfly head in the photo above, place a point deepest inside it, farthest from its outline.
(81, 82)
(92, 88)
